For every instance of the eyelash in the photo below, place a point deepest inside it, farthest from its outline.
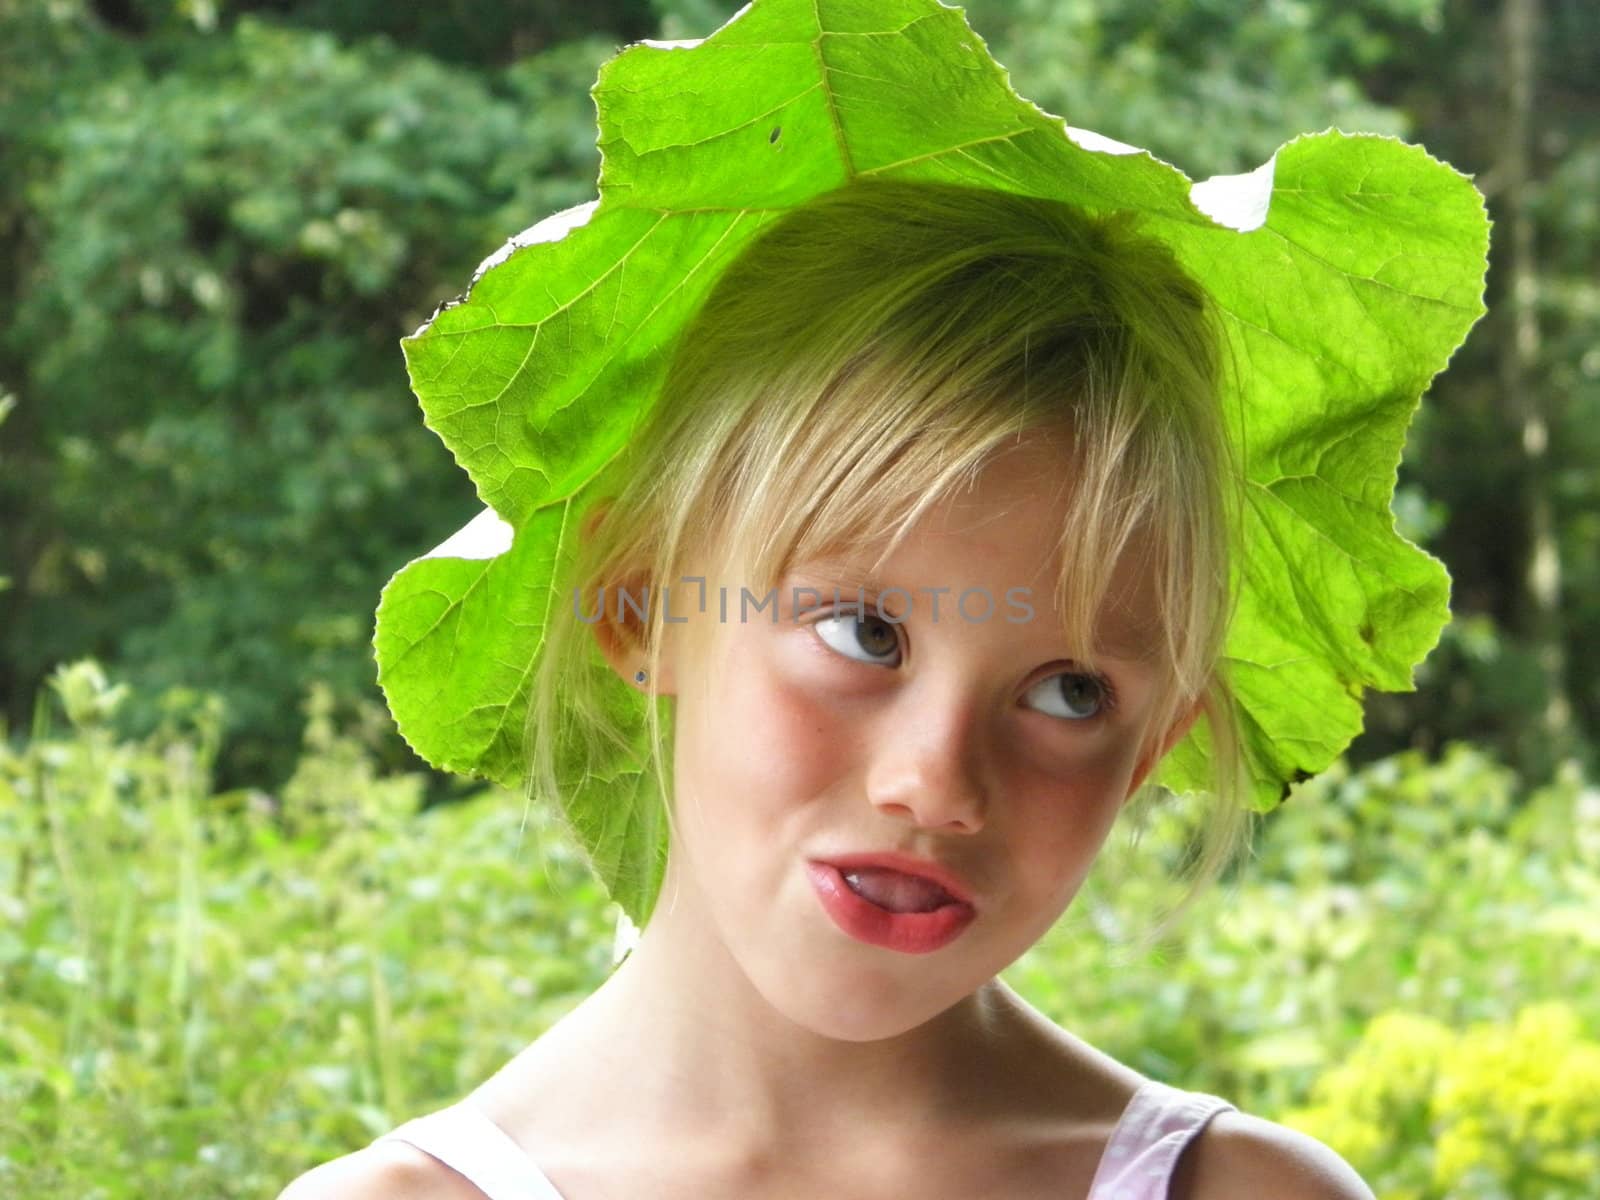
(1108, 695)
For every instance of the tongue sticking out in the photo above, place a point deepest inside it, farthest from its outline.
(896, 892)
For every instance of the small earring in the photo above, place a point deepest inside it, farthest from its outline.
(639, 678)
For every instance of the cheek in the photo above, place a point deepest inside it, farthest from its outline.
(767, 740)
(1071, 802)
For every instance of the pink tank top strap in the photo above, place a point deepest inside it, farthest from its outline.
(1143, 1150)
(464, 1139)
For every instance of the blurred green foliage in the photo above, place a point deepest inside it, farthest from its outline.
(203, 991)
(206, 992)
(217, 461)
(1507, 1105)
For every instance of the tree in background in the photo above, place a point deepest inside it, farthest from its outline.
(218, 239)
(1502, 462)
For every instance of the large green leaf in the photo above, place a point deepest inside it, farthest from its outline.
(1347, 270)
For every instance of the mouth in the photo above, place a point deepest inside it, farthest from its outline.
(850, 900)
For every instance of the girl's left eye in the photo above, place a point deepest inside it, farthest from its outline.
(1071, 695)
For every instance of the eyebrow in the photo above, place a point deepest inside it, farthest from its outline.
(845, 576)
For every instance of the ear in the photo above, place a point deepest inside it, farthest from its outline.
(619, 630)
(1174, 734)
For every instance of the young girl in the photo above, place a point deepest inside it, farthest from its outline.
(926, 552)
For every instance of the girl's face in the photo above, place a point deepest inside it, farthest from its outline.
(979, 744)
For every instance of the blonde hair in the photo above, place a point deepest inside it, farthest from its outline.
(861, 357)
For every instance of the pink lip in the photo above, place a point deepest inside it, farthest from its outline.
(906, 864)
(909, 933)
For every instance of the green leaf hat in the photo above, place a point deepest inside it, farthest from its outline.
(1346, 270)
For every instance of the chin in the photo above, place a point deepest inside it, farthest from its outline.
(860, 1002)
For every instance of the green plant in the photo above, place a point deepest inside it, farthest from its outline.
(1491, 1112)
(204, 993)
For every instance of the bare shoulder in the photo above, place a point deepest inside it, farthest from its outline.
(1242, 1155)
(382, 1171)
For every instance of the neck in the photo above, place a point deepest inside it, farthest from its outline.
(698, 1057)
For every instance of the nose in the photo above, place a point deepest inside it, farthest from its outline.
(929, 770)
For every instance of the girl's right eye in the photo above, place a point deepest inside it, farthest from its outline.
(849, 631)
